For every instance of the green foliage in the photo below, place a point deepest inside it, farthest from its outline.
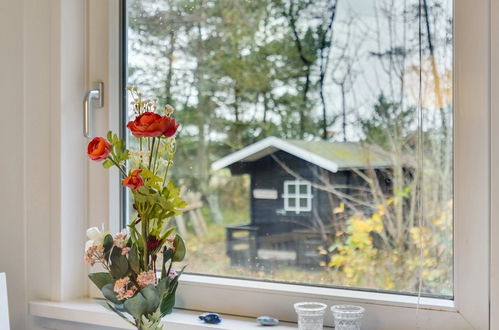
(107, 305)
(133, 259)
(108, 292)
(152, 321)
(179, 252)
(107, 244)
(152, 297)
(163, 286)
(136, 306)
(100, 279)
(170, 201)
(118, 148)
(168, 301)
(119, 263)
(389, 122)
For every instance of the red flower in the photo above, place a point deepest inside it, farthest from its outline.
(98, 149)
(153, 243)
(171, 128)
(150, 124)
(134, 180)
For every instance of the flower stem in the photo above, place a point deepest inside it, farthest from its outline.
(118, 166)
(145, 234)
(151, 150)
(155, 166)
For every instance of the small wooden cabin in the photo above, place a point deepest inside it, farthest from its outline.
(290, 211)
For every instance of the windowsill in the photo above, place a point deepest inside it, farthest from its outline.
(315, 292)
(86, 311)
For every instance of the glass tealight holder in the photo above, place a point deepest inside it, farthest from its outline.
(310, 315)
(347, 317)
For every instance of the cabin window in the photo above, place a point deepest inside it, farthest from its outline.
(297, 196)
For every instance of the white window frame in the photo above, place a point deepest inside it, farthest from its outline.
(475, 23)
(287, 196)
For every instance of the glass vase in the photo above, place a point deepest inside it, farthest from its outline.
(347, 317)
(310, 315)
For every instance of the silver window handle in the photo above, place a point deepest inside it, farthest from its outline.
(95, 96)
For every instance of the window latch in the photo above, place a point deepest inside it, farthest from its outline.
(93, 98)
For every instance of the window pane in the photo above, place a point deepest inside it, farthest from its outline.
(336, 91)
(303, 203)
(303, 189)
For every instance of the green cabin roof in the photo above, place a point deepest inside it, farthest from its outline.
(332, 156)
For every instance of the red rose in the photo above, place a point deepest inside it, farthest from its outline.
(171, 128)
(150, 124)
(134, 180)
(98, 149)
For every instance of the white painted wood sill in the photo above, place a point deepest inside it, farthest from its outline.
(87, 311)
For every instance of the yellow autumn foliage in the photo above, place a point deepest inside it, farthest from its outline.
(427, 253)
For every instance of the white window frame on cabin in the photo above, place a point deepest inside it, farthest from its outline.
(475, 44)
(297, 196)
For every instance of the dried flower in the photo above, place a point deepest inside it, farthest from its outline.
(124, 289)
(94, 254)
(172, 274)
(120, 239)
(146, 278)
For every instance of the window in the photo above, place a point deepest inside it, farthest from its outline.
(297, 196)
(470, 288)
(273, 89)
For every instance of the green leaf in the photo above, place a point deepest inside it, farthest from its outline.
(136, 305)
(174, 282)
(124, 155)
(168, 301)
(108, 292)
(107, 305)
(137, 238)
(151, 296)
(163, 286)
(110, 136)
(107, 243)
(168, 232)
(167, 255)
(107, 163)
(119, 263)
(179, 245)
(100, 279)
(133, 259)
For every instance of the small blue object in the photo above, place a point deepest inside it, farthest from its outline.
(267, 321)
(212, 318)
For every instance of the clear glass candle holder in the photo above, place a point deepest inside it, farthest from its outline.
(310, 315)
(347, 317)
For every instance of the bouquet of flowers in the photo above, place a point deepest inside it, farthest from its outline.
(132, 287)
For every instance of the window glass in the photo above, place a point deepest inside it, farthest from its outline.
(303, 189)
(346, 95)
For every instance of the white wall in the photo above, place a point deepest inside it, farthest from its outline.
(38, 93)
(12, 202)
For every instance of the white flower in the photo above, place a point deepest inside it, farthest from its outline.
(95, 237)
(88, 245)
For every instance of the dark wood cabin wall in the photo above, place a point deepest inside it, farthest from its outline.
(266, 173)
